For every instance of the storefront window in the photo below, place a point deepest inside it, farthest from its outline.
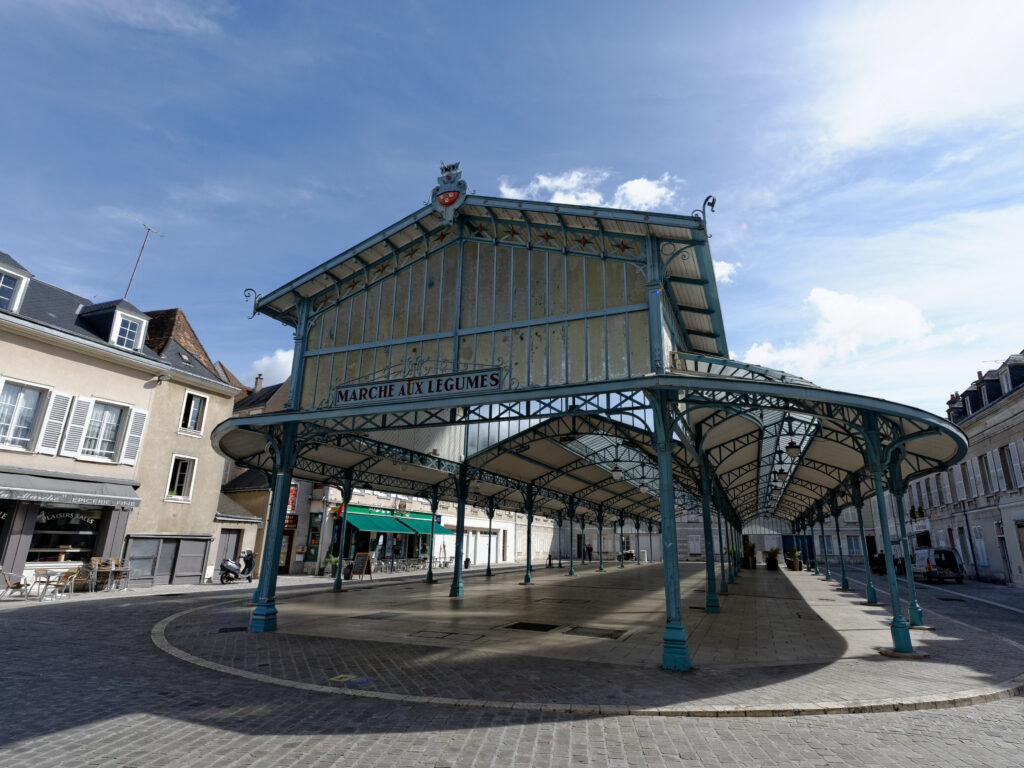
(64, 534)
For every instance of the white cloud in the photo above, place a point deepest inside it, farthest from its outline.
(896, 71)
(581, 187)
(846, 324)
(275, 367)
(724, 270)
(647, 194)
(152, 15)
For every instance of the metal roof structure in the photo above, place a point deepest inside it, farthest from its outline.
(559, 359)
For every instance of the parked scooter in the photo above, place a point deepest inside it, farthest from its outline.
(234, 571)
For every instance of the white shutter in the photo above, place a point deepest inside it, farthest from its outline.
(958, 481)
(977, 480)
(979, 545)
(76, 426)
(133, 438)
(914, 498)
(945, 488)
(1018, 475)
(53, 423)
(995, 469)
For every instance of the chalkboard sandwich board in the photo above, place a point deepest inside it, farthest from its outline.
(361, 565)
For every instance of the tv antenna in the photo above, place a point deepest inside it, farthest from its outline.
(144, 241)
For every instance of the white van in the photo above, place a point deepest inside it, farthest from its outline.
(938, 565)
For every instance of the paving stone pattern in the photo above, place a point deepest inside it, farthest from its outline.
(84, 686)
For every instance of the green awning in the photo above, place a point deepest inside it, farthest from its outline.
(422, 525)
(382, 523)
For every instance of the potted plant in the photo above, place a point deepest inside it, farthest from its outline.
(793, 559)
(771, 558)
(330, 565)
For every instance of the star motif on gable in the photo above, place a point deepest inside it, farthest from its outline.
(583, 240)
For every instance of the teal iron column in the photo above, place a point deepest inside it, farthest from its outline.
(675, 651)
(858, 502)
(347, 484)
(650, 538)
(896, 486)
(824, 546)
(570, 513)
(559, 519)
(434, 502)
(810, 538)
(462, 490)
(490, 526)
(622, 540)
(723, 556)
(844, 584)
(264, 615)
(730, 534)
(600, 539)
(711, 604)
(528, 503)
(898, 628)
(636, 547)
(583, 540)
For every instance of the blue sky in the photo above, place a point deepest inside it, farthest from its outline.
(867, 158)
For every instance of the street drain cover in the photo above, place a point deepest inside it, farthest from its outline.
(953, 599)
(610, 634)
(380, 615)
(531, 626)
(233, 629)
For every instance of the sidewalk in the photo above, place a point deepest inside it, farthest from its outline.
(785, 643)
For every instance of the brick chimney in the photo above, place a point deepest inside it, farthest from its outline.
(258, 384)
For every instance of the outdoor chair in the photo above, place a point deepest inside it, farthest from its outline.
(64, 585)
(14, 584)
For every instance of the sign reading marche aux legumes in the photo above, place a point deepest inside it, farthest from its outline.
(442, 385)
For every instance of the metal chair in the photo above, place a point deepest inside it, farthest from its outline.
(64, 585)
(15, 585)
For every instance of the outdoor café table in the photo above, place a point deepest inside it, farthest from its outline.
(44, 578)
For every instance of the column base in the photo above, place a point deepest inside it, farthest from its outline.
(675, 652)
(901, 638)
(711, 604)
(457, 590)
(263, 618)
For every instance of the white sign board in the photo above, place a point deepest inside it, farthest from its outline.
(443, 385)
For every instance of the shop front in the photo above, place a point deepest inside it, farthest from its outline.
(390, 539)
(61, 521)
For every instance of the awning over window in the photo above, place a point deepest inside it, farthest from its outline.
(422, 525)
(380, 523)
(62, 490)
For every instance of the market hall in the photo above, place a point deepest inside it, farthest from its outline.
(566, 361)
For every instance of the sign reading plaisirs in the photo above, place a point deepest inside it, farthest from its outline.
(444, 385)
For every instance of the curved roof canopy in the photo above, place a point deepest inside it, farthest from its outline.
(774, 444)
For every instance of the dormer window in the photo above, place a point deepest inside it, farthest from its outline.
(12, 289)
(127, 331)
(8, 288)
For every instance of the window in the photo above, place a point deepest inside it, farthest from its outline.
(853, 545)
(179, 485)
(695, 545)
(19, 412)
(103, 431)
(826, 543)
(192, 414)
(979, 545)
(850, 515)
(127, 333)
(8, 289)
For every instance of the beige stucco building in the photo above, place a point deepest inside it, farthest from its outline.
(105, 414)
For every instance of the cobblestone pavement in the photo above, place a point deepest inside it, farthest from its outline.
(84, 685)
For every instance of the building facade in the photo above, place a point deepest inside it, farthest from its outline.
(105, 413)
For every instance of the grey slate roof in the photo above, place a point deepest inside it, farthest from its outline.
(250, 480)
(258, 398)
(8, 263)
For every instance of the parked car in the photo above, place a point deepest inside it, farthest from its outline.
(938, 565)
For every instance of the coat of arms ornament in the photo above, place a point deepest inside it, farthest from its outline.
(450, 192)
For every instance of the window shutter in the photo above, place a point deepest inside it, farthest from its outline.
(912, 492)
(945, 488)
(958, 480)
(1018, 475)
(979, 545)
(976, 480)
(995, 470)
(133, 439)
(76, 426)
(53, 423)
